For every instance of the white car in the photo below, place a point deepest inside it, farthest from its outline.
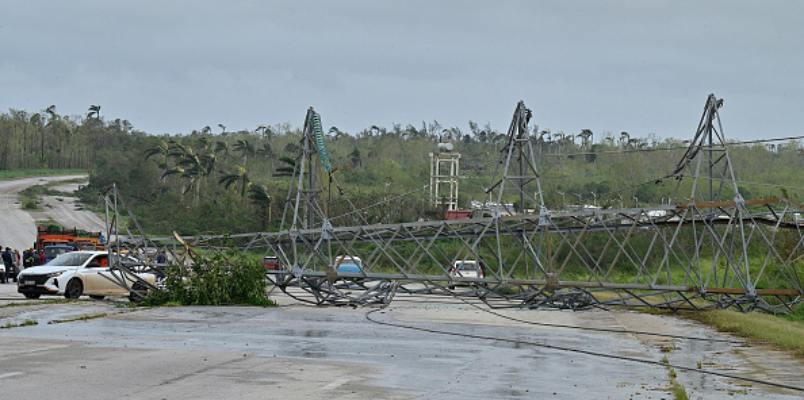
(466, 269)
(79, 273)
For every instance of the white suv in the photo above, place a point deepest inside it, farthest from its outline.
(466, 269)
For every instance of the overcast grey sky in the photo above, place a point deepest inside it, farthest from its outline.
(637, 66)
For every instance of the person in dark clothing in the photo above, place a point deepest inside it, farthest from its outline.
(3, 274)
(28, 258)
(8, 260)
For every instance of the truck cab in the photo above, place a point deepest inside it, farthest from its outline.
(53, 251)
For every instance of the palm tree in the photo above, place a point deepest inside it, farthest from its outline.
(94, 110)
(161, 149)
(222, 147)
(264, 131)
(560, 135)
(195, 166)
(240, 176)
(258, 194)
(289, 169)
(335, 132)
(246, 148)
(265, 150)
(52, 121)
(624, 138)
(376, 130)
(184, 177)
(205, 142)
(586, 137)
(541, 140)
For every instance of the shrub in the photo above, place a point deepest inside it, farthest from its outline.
(213, 280)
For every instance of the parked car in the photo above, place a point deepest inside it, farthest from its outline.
(273, 264)
(466, 269)
(349, 265)
(79, 273)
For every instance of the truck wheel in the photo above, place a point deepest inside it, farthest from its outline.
(74, 289)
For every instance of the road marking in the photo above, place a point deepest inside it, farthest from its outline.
(9, 375)
(335, 384)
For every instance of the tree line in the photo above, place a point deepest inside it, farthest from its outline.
(237, 181)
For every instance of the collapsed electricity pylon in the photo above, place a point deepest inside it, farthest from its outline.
(727, 224)
(712, 250)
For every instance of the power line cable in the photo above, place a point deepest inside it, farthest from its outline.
(654, 149)
(581, 351)
(588, 328)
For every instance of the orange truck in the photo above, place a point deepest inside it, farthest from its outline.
(54, 235)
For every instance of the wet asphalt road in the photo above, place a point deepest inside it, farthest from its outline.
(301, 351)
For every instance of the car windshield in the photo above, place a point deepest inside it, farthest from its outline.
(85, 246)
(347, 260)
(467, 266)
(55, 251)
(70, 259)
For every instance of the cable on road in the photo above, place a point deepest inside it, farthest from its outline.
(593, 329)
(581, 351)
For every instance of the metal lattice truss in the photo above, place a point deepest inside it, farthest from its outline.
(716, 249)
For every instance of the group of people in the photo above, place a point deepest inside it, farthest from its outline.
(12, 260)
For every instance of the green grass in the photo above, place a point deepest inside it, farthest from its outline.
(783, 332)
(81, 318)
(51, 301)
(679, 392)
(28, 322)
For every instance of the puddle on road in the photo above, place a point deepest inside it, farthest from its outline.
(49, 313)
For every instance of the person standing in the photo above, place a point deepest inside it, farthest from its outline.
(28, 258)
(3, 274)
(8, 260)
(17, 259)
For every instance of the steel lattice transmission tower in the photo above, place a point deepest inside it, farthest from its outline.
(516, 183)
(707, 161)
(305, 193)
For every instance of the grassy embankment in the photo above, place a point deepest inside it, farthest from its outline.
(786, 332)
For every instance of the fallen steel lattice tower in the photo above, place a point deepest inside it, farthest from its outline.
(715, 249)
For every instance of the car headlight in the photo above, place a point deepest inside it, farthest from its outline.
(54, 274)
